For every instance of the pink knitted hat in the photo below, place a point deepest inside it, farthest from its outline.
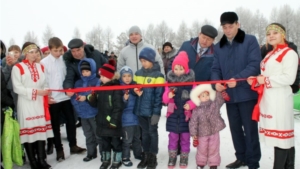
(181, 59)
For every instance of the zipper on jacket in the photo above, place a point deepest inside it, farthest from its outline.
(136, 54)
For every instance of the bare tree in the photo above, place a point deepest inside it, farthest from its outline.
(220, 34)
(295, 33)
(195, 29)
(286, 18)
(149, 35)
(47, 35)
(12, 42)
(94, 38)
(260, 27)
(121, 40)
(162, 34)
(31, 37)
(182, 34)
(245, 19)
(76, 33)
(274, 15)
(107, 38)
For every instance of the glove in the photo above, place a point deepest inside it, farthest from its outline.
(195, 142)
(91, 97)
(188, 115)
(112, 126)
(225, 96)
(171, 107)
(154, 119)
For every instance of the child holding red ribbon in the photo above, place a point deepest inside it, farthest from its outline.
(177, 116)
(205, 124)
(109, 118)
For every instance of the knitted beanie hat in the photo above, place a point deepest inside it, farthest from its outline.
(108, 69)
(181, 59)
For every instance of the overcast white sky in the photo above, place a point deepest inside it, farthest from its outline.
(19, 16)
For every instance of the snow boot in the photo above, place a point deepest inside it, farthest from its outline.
(172, 158)
(152, 161)
(117, 160)
(106, 160)
(290, 162)
(184, 158)
(144, 163)
(30, 151)
(41, 155)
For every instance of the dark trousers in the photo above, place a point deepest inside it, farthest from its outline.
(89, 130)
(149, 135)
(111, 143)
(131, 136)
(244, 132)
(66, 109)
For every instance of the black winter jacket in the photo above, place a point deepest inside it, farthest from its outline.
(109, 103)
(73, 73)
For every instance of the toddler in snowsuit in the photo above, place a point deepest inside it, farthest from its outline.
(205, 124)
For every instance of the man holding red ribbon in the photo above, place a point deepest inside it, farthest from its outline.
(237, 56)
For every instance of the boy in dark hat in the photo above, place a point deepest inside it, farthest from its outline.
(87, 67)
(148, 105)
(238, 56)
(109, 118)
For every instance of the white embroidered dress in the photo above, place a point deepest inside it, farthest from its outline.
(27, 79)
(276, 107)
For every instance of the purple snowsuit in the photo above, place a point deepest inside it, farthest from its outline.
(206, 122)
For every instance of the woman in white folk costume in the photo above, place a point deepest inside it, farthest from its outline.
(29, 83)
(278, 72)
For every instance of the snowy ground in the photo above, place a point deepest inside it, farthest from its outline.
(227, 151)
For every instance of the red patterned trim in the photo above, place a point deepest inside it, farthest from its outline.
(38, 129)
(267, 82)
(280, 57)
(285, 134)
(42, 67)
(20, 68)
(34, 94)
(33, 71)
(35, 118)
(266, 116)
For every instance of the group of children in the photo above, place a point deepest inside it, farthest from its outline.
(118, 119)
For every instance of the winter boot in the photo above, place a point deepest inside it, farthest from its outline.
(49, 146)
(184, 158)
(127, 162)
(117, 160)
(41, 154)
(152, 161)
(30, 151)
(280, 157)
(144, 163)
(106, 159)
(172, 158)
(200, 167)
(213, 167)
(77, 150)
(290, 162)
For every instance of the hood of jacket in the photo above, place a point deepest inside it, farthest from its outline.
(93, 69)
(170, 54)
(188, 77)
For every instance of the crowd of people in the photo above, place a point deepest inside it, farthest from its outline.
(259, 109)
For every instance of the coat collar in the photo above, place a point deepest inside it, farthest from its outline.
(239, 38)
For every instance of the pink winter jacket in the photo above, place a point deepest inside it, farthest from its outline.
(206, 119)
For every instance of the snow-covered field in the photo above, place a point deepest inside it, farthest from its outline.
(227, 151)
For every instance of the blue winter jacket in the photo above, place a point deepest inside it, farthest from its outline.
(128, 117)
(240, 59)
(202, 68)
(83, 109)
(150, 102)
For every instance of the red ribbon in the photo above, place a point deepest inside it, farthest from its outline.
(139, 86)
(46, 108)
(260, 91)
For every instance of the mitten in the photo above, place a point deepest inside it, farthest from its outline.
(154, 119)
(171, 107)
(195, 142)
(188, 115)
(91, 97)
(225, 96)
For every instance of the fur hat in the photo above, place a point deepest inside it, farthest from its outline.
(85, 66)
(228, 17)
(181, 59)
(194, 95)
(134, 29)
(147, 54)
(108, 69)
(167, 44)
